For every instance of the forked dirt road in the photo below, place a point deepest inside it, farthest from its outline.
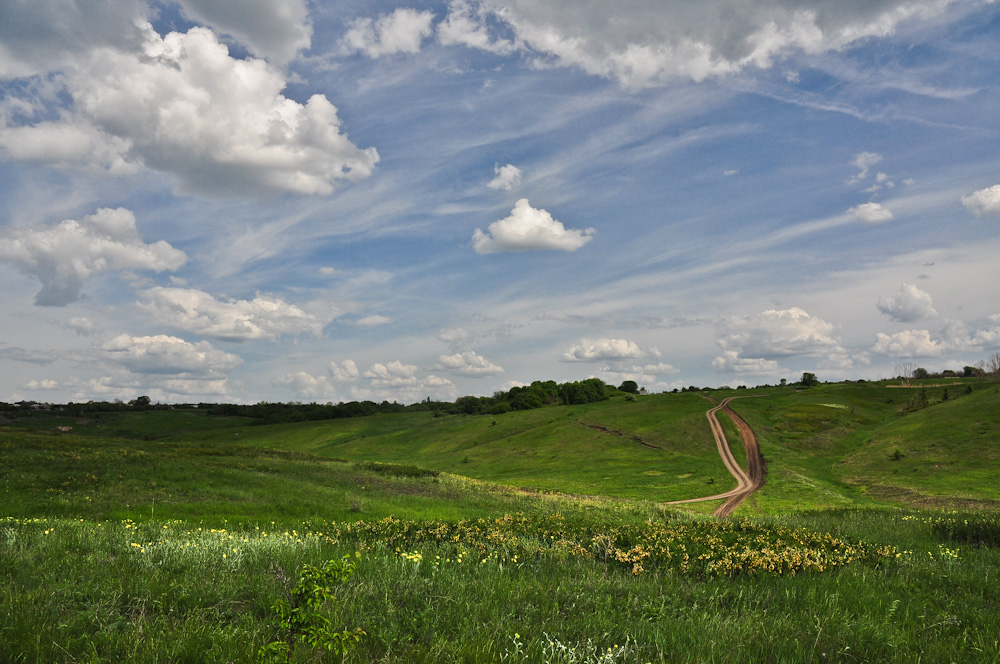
(747, 481)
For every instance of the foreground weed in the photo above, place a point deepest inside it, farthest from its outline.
(554, 651)
(299, 614)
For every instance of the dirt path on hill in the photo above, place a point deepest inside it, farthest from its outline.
(747, 481)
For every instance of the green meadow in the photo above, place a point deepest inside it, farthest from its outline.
(529, 536)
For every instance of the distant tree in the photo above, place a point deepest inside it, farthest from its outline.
(904, 372)
(993, 365)
(629, 387)
(969, 372)
(469, 405)
(920, 373)
(809, 379)
(784, 382)
(141, 403)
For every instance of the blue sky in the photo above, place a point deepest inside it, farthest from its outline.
(285, 200)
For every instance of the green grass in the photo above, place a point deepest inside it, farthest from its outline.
(161, 548)
(573, 449)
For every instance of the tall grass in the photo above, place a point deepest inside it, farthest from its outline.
(125, 591)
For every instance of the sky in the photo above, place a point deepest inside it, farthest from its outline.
(285, 200)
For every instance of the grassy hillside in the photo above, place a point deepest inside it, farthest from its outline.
(657, 448)
(833, 445)
(134, 551)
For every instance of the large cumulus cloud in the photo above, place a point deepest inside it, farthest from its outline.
(647, 42)
(182, 105)
(753, 344)
(63, 256)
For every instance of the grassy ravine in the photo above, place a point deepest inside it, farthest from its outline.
(161, 548)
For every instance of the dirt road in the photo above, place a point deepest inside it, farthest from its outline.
(747, 481)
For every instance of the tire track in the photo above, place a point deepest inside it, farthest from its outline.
(747, 481)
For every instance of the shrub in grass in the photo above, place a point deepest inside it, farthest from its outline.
(299, 616)
(397, 469)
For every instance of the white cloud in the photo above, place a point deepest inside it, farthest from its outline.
(750, 343)
(307, 386)
(180, 104)
(163, 354)
(238, 320)
(466, 25)
(468, 364)
(863, 161)
(648, 42)
(63, 256)
(989, 336)
(731, 362)
(908, 304)
(908, 343)
(953, 337)
(346, 371)
(507, 177)
(528, 228)
(272, 29)
(44, 384)
(373, 321)
(393, 374)
(778, 333)
(80, 325)
(392, 380)
(645, 375)
(399, 32)
(871, 213)
(984, 202)
(602, 350)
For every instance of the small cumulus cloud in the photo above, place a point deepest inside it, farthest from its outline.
(603, 350)
(871, 213)
(392, 374)
(528, 228)
(44, 384)
(346, 371)
(465, 25)
(402, 31)
(908, 343)
(731, 362)
(63, 256)
(469, 364)
(328, 271)
(984, 202)
(162, 354)
(907, 305)
(237, 320)
(507, 177)
(307, 386)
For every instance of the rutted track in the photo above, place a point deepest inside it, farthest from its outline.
(747, 481)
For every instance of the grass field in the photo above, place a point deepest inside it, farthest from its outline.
(163, 547)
